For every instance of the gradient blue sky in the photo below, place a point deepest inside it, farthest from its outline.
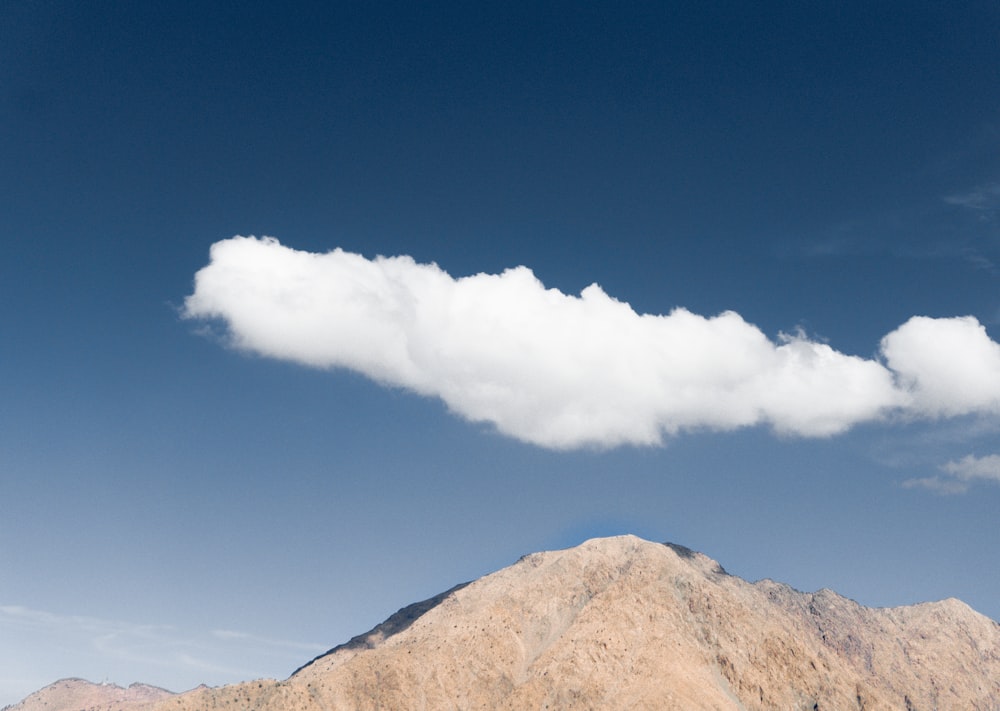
(175, 511)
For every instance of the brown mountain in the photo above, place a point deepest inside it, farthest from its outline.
(622, 623)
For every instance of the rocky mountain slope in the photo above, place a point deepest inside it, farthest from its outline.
(622, 623)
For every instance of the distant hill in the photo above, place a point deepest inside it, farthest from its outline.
(82, 695)
(622, 623)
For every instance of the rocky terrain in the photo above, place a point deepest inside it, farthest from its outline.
(622, 623)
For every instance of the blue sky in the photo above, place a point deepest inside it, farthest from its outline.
(184, 501)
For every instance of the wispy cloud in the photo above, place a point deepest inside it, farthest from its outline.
(99, 629)
(983, 204)
(247, 638)
(960, 225)
(959, 475)
(983, 199)
(565, 371)
(154, 646)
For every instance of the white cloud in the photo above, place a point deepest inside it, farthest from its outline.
(960, 474)
(566, 371)
(950, 366)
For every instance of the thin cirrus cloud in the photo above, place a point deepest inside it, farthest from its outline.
(145, 645)
(957, 476)
(564, 371)
(983, 199)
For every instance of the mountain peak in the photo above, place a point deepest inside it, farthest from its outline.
(622, 623)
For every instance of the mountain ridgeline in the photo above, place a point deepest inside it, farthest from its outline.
(622, 623)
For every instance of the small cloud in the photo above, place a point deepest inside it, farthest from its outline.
(972, 468)
(959, 475)
(565, 371)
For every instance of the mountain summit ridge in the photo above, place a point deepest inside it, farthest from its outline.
(623, 623)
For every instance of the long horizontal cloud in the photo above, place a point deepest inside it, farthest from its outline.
(566, 371)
